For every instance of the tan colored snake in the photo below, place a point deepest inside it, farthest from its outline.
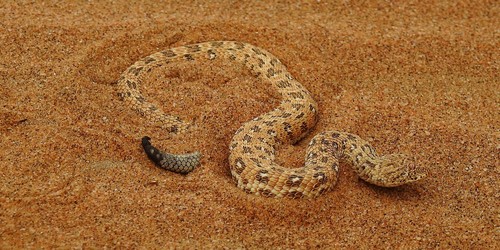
(252, 149)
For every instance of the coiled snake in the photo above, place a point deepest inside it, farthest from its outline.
(252, 149)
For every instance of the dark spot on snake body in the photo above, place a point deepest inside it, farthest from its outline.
(343, 142)
(211, 54)
(312, 108)
(335, 135)
(286, 115)
(266, 193)
(149, 60)
(313, 141)
(303, 127)
(325, 142)
(288, 128)
(244, 182)
(323, 190)
(261, 62)
(283, 84)
(368, 164)
(295, 194)
(168, 53)
(262, 176)
(217, 44)
(257, 51)
(232, 57)
(269, 123)
(270, 72)
(255, 128)
(239, 165)
(294, 180)
(324, 159)
(299, 115)
(193, 48)
(298, 106)
(247, 138)
(321, 177)
(247, 150)
(335, 146)
(290, 77)
(173, 129)
(135, 70)
(268, 152)
(271, 132)
(188, 57)
(245, 59)
(152, 108)
(255, 160)
(317, 168)
(140, 99)
(296, 95)
(239, 45)
(352, 137)
(131, 84)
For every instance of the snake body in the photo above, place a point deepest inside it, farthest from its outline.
(253, 147)
(182, 164)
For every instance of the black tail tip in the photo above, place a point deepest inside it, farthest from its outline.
(153, 153)
(145, 141)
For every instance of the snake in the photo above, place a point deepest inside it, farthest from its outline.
(252, 150)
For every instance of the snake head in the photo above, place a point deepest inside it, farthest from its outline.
(396, 170)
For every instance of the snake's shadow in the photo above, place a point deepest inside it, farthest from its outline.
(408, 192)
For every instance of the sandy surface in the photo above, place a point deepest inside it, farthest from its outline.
(417, 78)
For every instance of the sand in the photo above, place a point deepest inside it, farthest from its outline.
(417, 77)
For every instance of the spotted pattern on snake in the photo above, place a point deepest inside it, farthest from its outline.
(253, 147)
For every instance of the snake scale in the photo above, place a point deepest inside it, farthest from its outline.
(253, 147)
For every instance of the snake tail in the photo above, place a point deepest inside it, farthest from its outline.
(182, 164)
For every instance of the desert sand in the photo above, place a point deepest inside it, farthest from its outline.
(414, 77)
